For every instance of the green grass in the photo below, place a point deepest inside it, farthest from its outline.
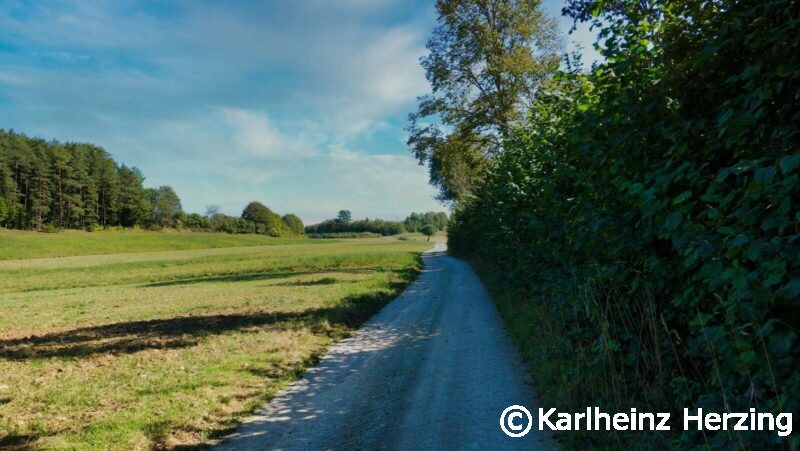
(24, 245)
(439, 237)
(169, 348)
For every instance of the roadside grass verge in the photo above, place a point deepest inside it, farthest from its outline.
(562, 371)
(174, 348)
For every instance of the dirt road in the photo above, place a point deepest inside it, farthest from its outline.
(433, 370)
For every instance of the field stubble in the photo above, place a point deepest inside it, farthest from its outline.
(170, 348)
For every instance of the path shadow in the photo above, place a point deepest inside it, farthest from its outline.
(184, 331)
(311, 283)
(129, 337)
(254, 276)
(18, 441)
(228, 278)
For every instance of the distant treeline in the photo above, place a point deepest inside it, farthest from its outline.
(48, 185)
(74, 185)
(415, 222)
(256, 218)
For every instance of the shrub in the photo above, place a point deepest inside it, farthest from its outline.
(641, 230)
(377, 226)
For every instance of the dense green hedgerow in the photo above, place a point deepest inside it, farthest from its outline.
(642, 229)
(376, 226)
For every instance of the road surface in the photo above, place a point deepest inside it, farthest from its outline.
(433, 370)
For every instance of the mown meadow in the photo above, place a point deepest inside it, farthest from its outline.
(103, 346)
(22, 244)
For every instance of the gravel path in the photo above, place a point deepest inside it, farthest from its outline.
(433, 370)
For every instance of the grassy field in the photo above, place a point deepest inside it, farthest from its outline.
(169, 348)
(18, 244)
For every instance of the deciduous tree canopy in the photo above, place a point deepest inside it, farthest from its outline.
(487, 60)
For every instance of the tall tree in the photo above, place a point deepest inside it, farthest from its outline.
(294, 223)
(166, 206)
(487, 59)
(344, 217)
(87, 213)
(257, 212)
(428, 229)
(40, 193)
(70, 185)
(267, 221)
(105, 173)
(133, 202)
(3, 210)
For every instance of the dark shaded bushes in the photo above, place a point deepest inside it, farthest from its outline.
(641, 232)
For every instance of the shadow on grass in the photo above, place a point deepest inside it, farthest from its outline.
(184, 331)
(311, 283)
(18, 441)
(228, 278)
(255, 276)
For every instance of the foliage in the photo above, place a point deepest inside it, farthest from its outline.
(50, 186)
(487, 58)
(3, 209)
(264, 220)
(258, 213)
(377, 226)
(196, 221)
(293, 223)
(428, 229)
(166, 206)
(344, 217)
(415, 221)
(67, 185)
(641, 229)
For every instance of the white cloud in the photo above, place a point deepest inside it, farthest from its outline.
(285, 102)
(255, 134)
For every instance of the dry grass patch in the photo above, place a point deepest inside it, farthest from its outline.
(134, 352)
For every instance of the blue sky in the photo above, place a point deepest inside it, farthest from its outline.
(299, 104)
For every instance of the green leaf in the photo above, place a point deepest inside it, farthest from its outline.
(792, 289)
(673, 220)
(725, 230)
(789, 164)
(748, 357)
(750, 72)
(764, 175)
(680, 198)
(723, 118)
(740, 240)
(636, 188)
